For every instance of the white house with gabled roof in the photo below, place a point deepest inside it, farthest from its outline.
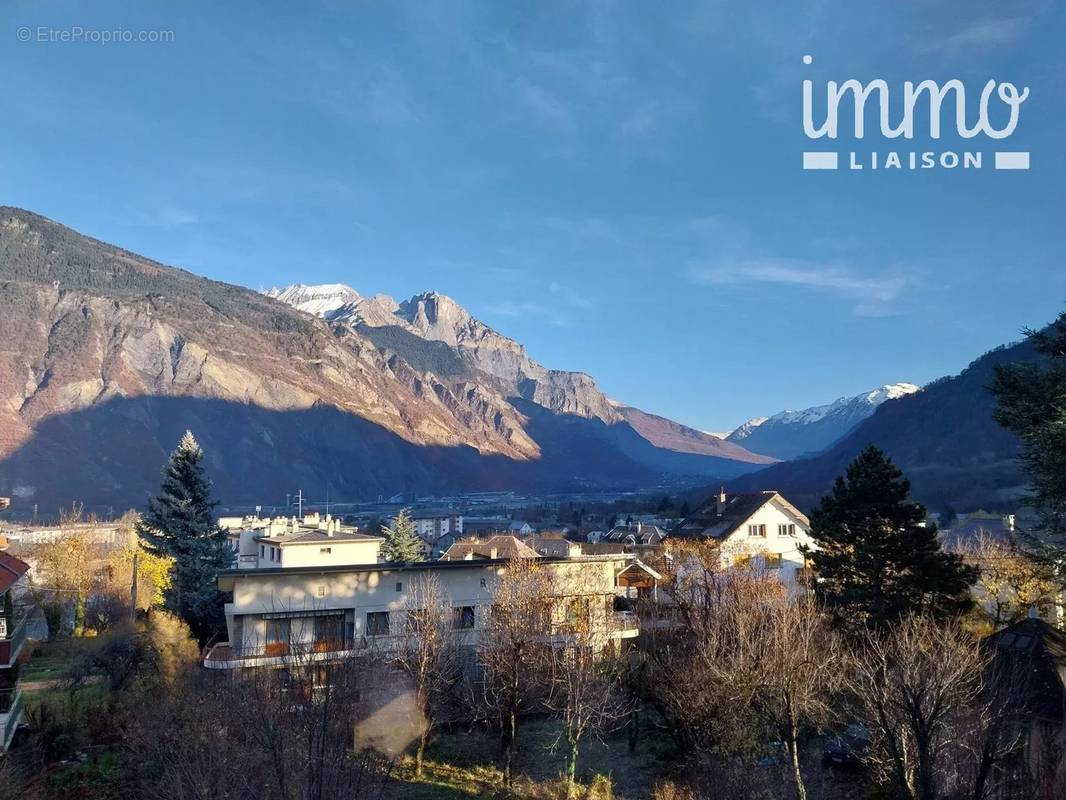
(762, 528)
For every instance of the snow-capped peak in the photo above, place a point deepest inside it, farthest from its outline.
(320, 299)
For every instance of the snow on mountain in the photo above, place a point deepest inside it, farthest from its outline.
(789, 433)
(321, 300)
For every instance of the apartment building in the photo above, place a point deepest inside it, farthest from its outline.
(314, 540)
(322, 610)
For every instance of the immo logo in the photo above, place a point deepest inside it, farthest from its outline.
(923, 101)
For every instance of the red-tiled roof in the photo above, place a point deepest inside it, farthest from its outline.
(11, 569)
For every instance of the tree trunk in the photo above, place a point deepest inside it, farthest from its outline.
(571, 768)
(797, 773)
(420, 753)
(79, 614)
(507, 737)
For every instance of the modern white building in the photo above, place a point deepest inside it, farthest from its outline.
(315, 540)
(760, 527)
(304, 603)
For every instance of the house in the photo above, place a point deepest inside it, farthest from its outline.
(330, 611)
(433, 524)
(968, 529)
(634, 533)
(499, 546)
(12, 639)
(1032, 653)
(762, 528)
(313, 540)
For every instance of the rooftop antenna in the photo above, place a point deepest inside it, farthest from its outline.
(299, 504)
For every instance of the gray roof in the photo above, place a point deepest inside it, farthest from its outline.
(711, 522)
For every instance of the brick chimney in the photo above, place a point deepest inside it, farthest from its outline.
(721, 501)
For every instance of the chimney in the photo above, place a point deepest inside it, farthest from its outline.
(721, 501)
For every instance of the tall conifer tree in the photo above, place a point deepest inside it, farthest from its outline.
(876, 560)
(1032, 403)
(179, 523)
(401, 541)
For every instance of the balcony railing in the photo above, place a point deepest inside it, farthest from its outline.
(12, 644)
(10, 712)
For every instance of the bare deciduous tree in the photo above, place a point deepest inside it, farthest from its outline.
(918, 686)
(429, 654)
(514, 650)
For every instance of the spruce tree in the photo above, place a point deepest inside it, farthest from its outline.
(1031, 400)
(401, 541)
(179, 523)
(876, 561)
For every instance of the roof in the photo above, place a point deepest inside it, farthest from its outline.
(226, 577)
(711, 522)
(11, 569)
(639, 533)
(506, 547)
(315, 536)
(1039, 649)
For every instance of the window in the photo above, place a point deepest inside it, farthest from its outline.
(321, 592)
(757, 530)
(786, 530)
(277, 637)
(325, 550)
(262, 551)
(377, 623)
(483, 584)
(3, 627)
(771, 560)
(463, 618)
(399, 586)
(329, 633)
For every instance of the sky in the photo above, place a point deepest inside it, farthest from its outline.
(616, 185)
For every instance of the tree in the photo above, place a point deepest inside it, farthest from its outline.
(585, 687)
(68, 566)
(876, 560)
(1011, 580)
(796, 669)
(513, 650)
(179, 524)
(940, 715)
(401, 541)
(1031, 402)
(430, 656)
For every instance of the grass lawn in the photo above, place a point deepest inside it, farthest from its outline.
(462, 764)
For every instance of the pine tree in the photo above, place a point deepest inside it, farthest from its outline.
(179, 523)
(1032, 403)
(876, 561)
(401, 541)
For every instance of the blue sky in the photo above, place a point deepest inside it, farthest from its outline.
(617, 185)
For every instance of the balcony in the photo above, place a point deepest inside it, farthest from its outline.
(278, 654)
(625, 624)
(11, 646)
(10, 714)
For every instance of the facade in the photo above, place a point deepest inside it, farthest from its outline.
(313, 541)
(433, 525)
(329, 612)
(12, 640)
(761, 528)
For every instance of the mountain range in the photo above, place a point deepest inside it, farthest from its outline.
(791, 434)
(943, 438)
(107, 356)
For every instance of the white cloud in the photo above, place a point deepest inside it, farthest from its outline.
(802, 275)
